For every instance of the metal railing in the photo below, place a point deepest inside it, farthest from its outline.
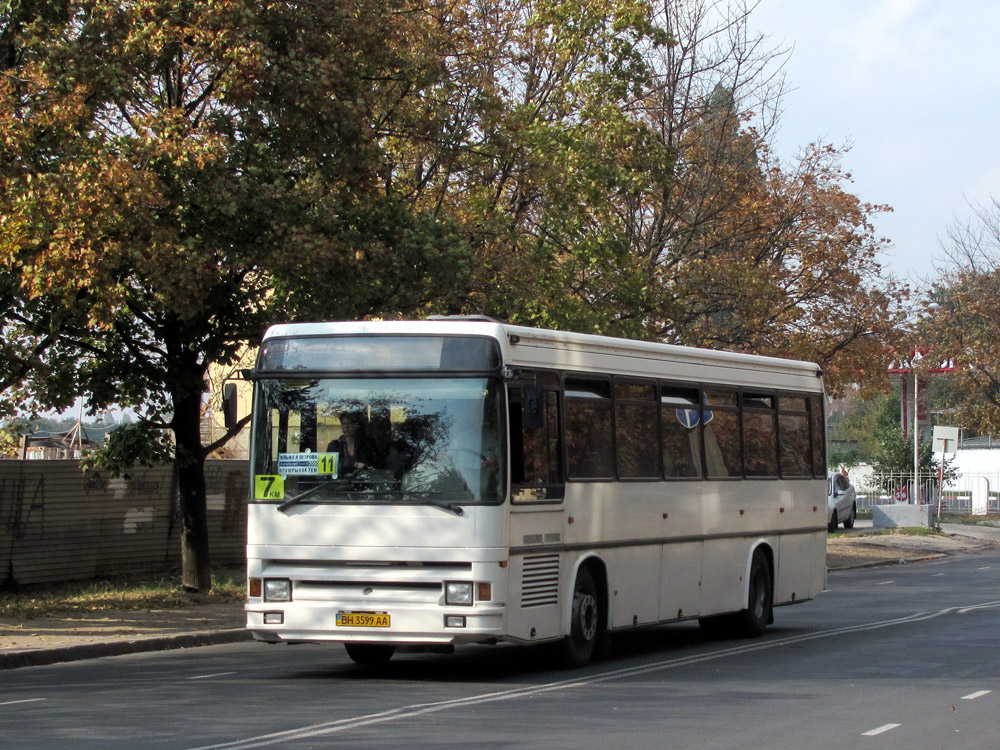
(955, 494)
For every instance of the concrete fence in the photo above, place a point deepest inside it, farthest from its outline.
(58, 523)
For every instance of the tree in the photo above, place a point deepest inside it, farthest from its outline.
(532, 111)
(738, 250)
(169, 164)
(648, 205)
(965, 330)
(894, 453)
(862, 429)
(37, 369)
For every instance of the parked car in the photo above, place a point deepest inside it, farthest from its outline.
(841, 502)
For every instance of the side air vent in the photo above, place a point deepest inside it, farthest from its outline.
(540, 581)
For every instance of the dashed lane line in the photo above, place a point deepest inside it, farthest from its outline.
(977, 694)
(880, 730)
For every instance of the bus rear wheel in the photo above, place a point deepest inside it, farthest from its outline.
(578, 646)
(754, 619)
(369, 653)
(749, 622)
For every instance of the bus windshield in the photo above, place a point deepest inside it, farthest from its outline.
(379, 440)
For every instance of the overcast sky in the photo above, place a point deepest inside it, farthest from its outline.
(915, 86)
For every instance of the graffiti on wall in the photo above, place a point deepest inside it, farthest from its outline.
(140, 486)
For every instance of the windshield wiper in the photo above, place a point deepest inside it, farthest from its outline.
(352, 492)
(422, 498)
(295, 500)
(453, 507)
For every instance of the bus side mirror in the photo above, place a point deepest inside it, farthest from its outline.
(534, 413)
(229, 405)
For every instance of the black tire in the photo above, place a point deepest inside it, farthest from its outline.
(753, 620)
(369, 653)
(585, 619)
(832, 526)
(849, 521)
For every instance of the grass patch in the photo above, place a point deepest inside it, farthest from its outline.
(971, 520)
(902, 531)
(121, 593)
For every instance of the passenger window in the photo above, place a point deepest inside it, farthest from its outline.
(536, 455)
(680, 418)
(636, 430)
(816, 435)
(760, 445)
(793, 437)
(588, 429)
(721, 421)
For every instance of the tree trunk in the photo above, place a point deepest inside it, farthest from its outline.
(196, 569)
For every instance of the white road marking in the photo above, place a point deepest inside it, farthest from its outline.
(880, 730)
(210, 676)
(420, 709)
(884, 583)
(973, 696)
(984, 605)
(26, 700)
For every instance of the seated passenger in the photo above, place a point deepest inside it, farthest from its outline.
(349, 446)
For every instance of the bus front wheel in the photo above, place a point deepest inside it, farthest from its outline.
(578, 646)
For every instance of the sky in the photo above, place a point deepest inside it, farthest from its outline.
(914, 85)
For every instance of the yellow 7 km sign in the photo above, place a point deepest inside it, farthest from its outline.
(268, 487)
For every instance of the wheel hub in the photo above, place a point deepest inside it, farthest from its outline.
(588, 617)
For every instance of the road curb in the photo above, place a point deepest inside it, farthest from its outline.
(42, 656)
(887, 563)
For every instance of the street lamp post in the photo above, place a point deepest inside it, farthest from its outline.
(916, 434)
(932, 308)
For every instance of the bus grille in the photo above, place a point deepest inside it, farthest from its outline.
(540, 581)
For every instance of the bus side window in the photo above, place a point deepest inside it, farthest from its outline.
(637, 430)
(760, 443)
(793, 436)
(680, 408)
(723, 446)
(589, 446)
(818, 434)
(535, 461)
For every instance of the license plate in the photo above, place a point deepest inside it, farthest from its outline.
(362, 620)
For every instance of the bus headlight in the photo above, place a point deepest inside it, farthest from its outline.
(277, 590)
(458, 593)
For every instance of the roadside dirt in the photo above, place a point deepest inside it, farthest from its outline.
(109, 625)
(861, 549)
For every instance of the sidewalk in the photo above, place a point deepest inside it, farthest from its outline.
(90, 635)
(866, 549)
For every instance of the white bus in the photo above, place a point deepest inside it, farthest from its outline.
(459, 480)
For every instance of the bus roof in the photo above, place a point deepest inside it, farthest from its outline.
(536, 347)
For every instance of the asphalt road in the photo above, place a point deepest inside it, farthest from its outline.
(900, 657)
